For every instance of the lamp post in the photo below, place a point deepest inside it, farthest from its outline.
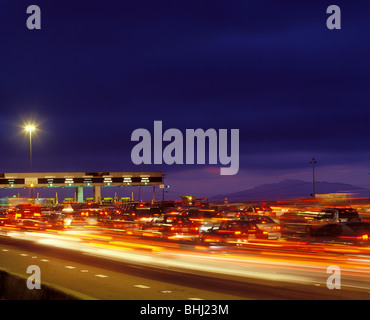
(30, 128)
(164, 175)
(313, 162)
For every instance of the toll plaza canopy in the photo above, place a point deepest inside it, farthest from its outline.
(79, 179)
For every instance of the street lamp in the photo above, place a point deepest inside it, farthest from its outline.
(30, 128)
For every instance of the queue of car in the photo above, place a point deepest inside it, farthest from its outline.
(205, 225)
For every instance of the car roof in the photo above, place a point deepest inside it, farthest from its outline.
(357, 223)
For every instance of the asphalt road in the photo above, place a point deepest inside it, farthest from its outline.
(102, 278)
(99, 278)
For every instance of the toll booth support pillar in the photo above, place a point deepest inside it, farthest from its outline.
(80, 194)
(97, 194)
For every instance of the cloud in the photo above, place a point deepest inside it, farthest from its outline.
(96, 72)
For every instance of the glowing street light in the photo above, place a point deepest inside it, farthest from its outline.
(30, 128)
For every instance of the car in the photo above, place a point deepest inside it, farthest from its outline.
(332, 215)
(294, 222)
(3, 217)
(349, 232)
(170, 210)
(232, 232)
(91, 213)
(145, 213)
(58, 220)
(342, 214)
(122, 222)
(230, 215)
(27, 211)
(31, 224)
(262, 210)
(205, 218)
(266, 224)
(109, 213)
(171, 227)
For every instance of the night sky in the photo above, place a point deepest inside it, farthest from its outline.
(98, 70)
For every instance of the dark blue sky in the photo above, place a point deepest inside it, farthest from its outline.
(97, 70)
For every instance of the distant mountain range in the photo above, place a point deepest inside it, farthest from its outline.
(290, 189)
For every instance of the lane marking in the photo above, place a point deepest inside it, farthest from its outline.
(141, 286)
(44, 260)
(69, 267)
(101, 276)
(4, 250)
(195, 299)
(23, 254)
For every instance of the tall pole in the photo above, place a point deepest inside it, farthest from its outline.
(30, 128)
(30, 151)
(31, 160)
(313, 161)
(163, 186)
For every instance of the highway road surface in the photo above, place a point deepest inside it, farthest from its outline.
(103, 266)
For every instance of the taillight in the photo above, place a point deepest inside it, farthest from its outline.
(238, 232)
(363, 237)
